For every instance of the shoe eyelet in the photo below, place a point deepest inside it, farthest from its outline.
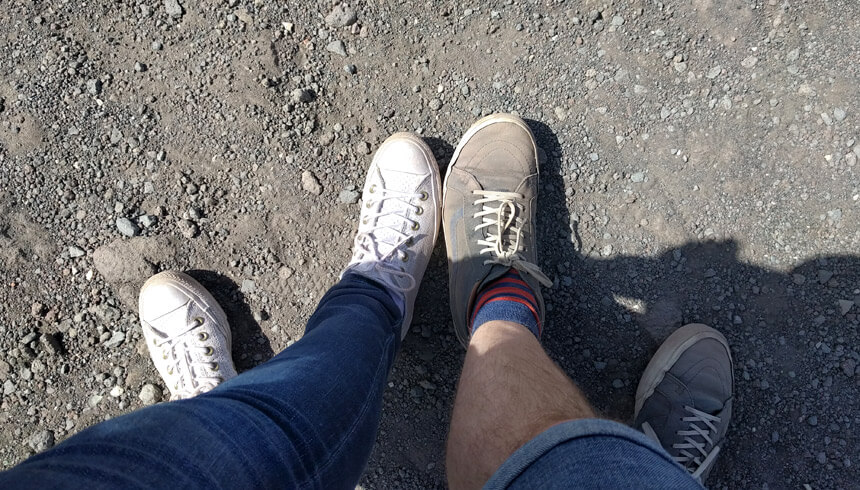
(198, 320)
(202, 336)
(209, 351)
(154, 342)
(220, 379)
(405, 258)
(170, 371)
(372, 189)
(419, 211)
(368, 204)
(415, 226)
(409, 242)
(164, 355)
(364, 221)
(176, 387)
(424, 196)
(214, 366)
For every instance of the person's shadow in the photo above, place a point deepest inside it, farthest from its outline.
(793, 335)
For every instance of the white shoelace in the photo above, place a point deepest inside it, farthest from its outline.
(388, 246)
(509, 222)
(693, 454)
(191, 376)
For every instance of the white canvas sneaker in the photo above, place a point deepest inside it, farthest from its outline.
(187, 334)
(399, 219)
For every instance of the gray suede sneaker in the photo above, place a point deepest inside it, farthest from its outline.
(684, 399)
(488, 212)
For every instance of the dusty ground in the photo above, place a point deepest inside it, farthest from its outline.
(701, 165)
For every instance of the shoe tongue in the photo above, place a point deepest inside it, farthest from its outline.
(394, 222)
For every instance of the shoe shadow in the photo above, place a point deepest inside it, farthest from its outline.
(250, 346)
(793, 334)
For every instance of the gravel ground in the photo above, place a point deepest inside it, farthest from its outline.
(700, 164)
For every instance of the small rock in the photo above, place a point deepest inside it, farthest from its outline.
(336, 47)
(248, 286)
(617, 384)
(638, 177)
(41, 441)
(845, 306)
(812, 420)
(75, 252)
(362, 148)
(173, 8)
(341, 16)
(117, 391)
(839, 113)
(310, 183)
(714, 72)
(849, 367)
(148, 220)
(115, 136)
(187, 228)
(94, 87)
(617, 21)
(798, 279)
(348, 197)
(8, 387)
(824, 276)
(302, 95)
(435, 104)
(150, 394)
(126, 227)
(139, 67)
(749, 62)
(115, 339)
(51, 344)
(351, 69)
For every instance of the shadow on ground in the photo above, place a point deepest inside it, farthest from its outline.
(250, 346)
(794, 349)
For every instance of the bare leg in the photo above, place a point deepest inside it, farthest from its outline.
(509, 392)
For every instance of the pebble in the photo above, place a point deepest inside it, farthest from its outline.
(638, 177)
(336, 47)
(839, 114)
(187, 228)
(845, 306)
(75, 252)
(94, 87)
(617, 384)
(310, 183)
(435, 104)
(173, 8)
(351, 69)
(115, 340)
(126, 227)
(301, 95)
(714, 72)
(617, 21)
(849, 367)
(41, 441)
(341, 16)
(117, 391)
(51, 344)
(812, 420)
(248, 286)
(150, 394)
(148, 220)
(749, 62)
(8, 387)
(824, 276)
(349, 197)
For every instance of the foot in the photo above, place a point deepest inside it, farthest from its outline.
(489, 211)
(399, 219)
(684, 400)
(187, 334)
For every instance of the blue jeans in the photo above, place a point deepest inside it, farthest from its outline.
(305, 419)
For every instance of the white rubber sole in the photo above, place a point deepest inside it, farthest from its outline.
(669, 353)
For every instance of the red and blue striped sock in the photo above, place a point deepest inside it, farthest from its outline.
(507, 298)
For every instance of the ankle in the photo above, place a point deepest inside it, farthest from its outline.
(507, 299)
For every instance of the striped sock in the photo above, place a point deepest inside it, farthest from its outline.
(507, 298)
